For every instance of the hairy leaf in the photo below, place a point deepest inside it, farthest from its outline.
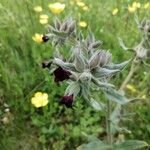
(131, 145)
(115, 96)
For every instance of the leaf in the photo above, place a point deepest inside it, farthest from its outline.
(96, 105)
(73, 88)
(104, 73)
(117, 66)
(60, 34)
(101, 84)
(131, 145)
(94, 145)
(64, 65)
(123, 45)
(115, 96)
(79, 63)
(114, 117)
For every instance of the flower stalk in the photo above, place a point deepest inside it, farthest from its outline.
(134, 67)
(108, 125)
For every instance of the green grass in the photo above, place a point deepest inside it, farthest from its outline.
(21, 75)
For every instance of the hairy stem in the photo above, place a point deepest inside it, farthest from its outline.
(133, 69)
(108, 125)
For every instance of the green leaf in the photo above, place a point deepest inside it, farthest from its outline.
(101, 84)
(115, 115)
(118, 66)
(73, 88)
(94, 145)
(131, 145)
(123, 45)
(79, 63)
(104, 73)
(96, 105)
(60, 34)
(63, 64)
(115, 96)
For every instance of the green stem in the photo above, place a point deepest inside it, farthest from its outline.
(133, 69)
(108, 125)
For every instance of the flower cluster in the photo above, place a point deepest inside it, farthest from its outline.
(89, 67)
(55, 8)
(134, 7)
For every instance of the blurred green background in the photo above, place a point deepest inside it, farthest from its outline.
(21, 75)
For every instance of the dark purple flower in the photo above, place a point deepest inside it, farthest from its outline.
(45, 38)
(46, 64)
(61, 74)
(67, 100)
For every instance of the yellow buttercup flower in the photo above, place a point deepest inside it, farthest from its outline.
(81, 4)
(115, 11)
(38, 38)
(131, 9)
(131, 88)
(56, 8)
(40, 99)
(85, 8)
(136, 4)
(144, 96)
(82, 24)
(38, 8)
(44, 16)
(147, 5)
(43, 21)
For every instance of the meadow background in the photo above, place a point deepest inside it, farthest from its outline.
(21, 75)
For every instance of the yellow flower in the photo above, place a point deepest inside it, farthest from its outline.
(80, 4)
(82, 24)
(136, 4)
(43, 21)
(56, 8)
(144, 96)
(85, 8)
(131, 88)
(38, 8)
(44, 16)
(38, 38)
(131, 9)
(115, 11)
(40, 99)
(147, 5)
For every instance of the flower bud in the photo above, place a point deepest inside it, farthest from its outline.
(95, 45)
(105, 58)
(64, 26)
(95, 60)
(141, 52)
(71, 27)
(67, 100)
(57, 24)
